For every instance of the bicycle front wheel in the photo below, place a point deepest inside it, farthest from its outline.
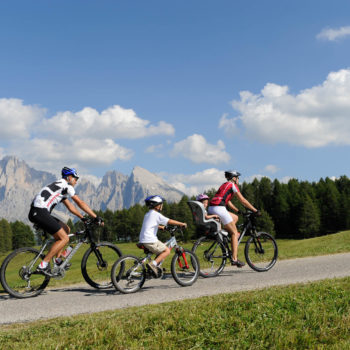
(261, 252)
(211, 255)
(97, 263)
(185, 267)
(128, 274)
(18, 273)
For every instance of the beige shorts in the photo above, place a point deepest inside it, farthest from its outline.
(156, 247)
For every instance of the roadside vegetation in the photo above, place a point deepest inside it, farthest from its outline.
(303, 316)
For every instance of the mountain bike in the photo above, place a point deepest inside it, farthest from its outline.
(129, 272)
(19, 277)
(260, 250)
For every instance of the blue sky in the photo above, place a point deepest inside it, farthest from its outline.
(185, 89)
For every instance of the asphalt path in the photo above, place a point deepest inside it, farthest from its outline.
(80, 299)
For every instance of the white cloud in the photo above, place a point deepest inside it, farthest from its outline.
(114, 122)
(271, 168)
(194, 184)
(86, 137)
(82, 153)
(198, 150)
(153, 148)
(17, 119)
(316, 117)
(228, 125)
(334, 34)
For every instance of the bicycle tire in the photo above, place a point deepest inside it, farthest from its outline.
(95, 273)
(16, 277)
(185, 276)
(128, 274)
(261, 252)
(212, 256)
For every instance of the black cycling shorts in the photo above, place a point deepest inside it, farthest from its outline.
(44, 220)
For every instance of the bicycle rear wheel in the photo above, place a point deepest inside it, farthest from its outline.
(18, 273)
(211, 255)
(185, 267)
(261, 252)
(97, 263)
(128, 274)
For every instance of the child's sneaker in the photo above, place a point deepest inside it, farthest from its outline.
(153, 268)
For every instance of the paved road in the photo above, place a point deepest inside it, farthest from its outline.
(84, 299)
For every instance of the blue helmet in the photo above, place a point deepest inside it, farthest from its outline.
(69, 171)
(153, 201)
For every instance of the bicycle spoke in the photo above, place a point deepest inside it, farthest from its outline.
(261, 252)
(18, 274)
(97, 264)
(185, 267)
(128, 274)
(211, 255)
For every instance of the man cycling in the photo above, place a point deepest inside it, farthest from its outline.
(42, 206)
(218, 205)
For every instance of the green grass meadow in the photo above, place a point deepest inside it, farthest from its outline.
(303, 316)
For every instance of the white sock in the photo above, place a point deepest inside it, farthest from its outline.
(43, 264)
(154, 263)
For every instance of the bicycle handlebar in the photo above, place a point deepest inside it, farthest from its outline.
(173, 229)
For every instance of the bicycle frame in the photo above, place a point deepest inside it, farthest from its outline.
(170, 243)
(59, 270)
(248, 228)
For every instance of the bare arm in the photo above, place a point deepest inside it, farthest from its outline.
(177, 223)
(232, 206)
(245, 202)
(72, 208)
(216, 217)
(83, 206)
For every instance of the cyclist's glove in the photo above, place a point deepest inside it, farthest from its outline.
(258, 213)
(98, 220)
(84, 219)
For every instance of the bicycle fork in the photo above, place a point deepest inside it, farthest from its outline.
(181, 253)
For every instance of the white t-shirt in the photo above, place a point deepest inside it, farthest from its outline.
(150, 224)
(52, 194)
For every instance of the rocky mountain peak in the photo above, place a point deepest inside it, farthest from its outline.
(19, 183)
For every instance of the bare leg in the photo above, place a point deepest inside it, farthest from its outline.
(62, 239)
(67, 229)
(162, 256)
(232, 229)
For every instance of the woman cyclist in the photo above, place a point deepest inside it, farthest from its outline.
(221, 200)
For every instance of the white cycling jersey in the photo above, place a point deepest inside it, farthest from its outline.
(50, 195)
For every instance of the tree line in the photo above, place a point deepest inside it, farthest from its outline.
(15, 235)
(296, 209)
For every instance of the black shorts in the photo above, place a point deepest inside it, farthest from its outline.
(44, 220)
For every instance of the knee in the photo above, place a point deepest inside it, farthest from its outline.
(65, 239)
(167, 251)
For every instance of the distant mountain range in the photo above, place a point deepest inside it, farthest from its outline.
(19, 183)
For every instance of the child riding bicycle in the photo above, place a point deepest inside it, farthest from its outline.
(152, 220)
